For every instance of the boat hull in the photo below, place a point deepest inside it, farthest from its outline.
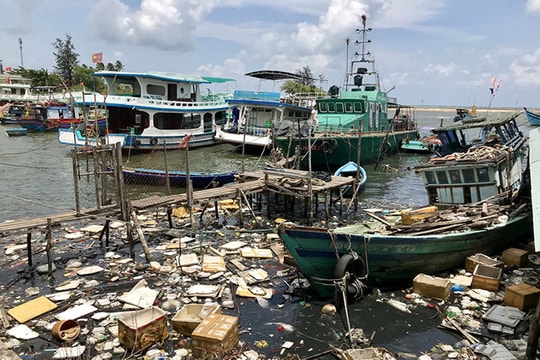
(533, 118)
(335, 150)
(176, 178)
(394, 260)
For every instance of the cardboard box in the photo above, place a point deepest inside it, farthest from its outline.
(486, 277)
(514, 256)
(215, 333)
(481, 259)
(140, 329)
(432, 287)
(414, 216)
(191, 315)
(522, 296)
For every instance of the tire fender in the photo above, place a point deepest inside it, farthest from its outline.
(353, 264)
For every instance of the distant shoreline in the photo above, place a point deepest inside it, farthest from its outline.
(453, 109)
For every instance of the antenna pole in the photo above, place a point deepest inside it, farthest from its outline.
(20, 48)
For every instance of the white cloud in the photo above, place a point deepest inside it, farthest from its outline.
(440, 69)
(526, 71)
(533, 5)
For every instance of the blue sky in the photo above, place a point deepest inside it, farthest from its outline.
(443, 52)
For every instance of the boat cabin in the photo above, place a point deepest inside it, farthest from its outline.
(461, 135)
(489, 165)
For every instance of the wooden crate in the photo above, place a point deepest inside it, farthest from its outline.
(486, 277)
(140, 329)
(481, 259)
(191, 315)
(514, 256)
(431, 286)
(215, 333)
(522, 296)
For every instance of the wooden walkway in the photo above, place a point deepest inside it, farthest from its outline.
(286, 181)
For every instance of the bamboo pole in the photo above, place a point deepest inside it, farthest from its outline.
(142, 239)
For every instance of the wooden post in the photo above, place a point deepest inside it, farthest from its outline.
(169, 216)
(75, 161)
(105, 231)
(141, 235)
(532, 340)
(96, 177)
(120, 181)
(240, 213)
(29, 248)
(48, 248)
(167, 179)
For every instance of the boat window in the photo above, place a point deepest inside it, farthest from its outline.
(156, 90)
(169, 121)
(455, 177)
(483, 174)
(339, 107)
(442, 177)
(358, 107)
(331, 107)
(348, 107)
(323, 107)
(221, 118)
(468, 175)
(430, 177)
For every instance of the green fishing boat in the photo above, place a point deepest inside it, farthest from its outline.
(358, 122)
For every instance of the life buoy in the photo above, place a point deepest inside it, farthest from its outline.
(328, 146)
(355, 265)
(137, 144)
(153, 141)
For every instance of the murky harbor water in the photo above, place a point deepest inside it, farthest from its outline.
(36, 180)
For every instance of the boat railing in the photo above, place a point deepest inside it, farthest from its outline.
(301, 99)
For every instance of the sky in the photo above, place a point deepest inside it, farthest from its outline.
(443, 52)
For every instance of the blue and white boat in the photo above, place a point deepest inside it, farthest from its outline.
(352, 169)
(151, 111)
(532, 117)
(253, 116)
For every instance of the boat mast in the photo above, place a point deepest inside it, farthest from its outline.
(361, 57)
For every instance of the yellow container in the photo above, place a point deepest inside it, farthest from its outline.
(414, 216)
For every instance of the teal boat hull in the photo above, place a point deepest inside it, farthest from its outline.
(392, 261)
(332, 151)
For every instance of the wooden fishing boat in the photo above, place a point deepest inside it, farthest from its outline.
(10, 132)
(352, 169)
(478, 187)
(357, 122)
(532, 117)
(479, 159)
(156, 177)
(388, 253)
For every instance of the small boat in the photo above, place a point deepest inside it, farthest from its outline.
(351, 169)
(152, 111)
(389, 253)
(156, 177)
(358, 121)
(254, 116)
(35, 119)
(10, 132)
(425, 145)
(532, 117)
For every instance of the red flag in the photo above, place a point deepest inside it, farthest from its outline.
(97, 58)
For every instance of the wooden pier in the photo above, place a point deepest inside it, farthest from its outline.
(286, 182)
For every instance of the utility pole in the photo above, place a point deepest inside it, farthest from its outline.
(20, 48)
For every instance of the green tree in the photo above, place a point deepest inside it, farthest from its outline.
(304, 84)
(83, 75)
(66, 59)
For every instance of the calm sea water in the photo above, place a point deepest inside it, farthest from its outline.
(36, 180)
(36, 172)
